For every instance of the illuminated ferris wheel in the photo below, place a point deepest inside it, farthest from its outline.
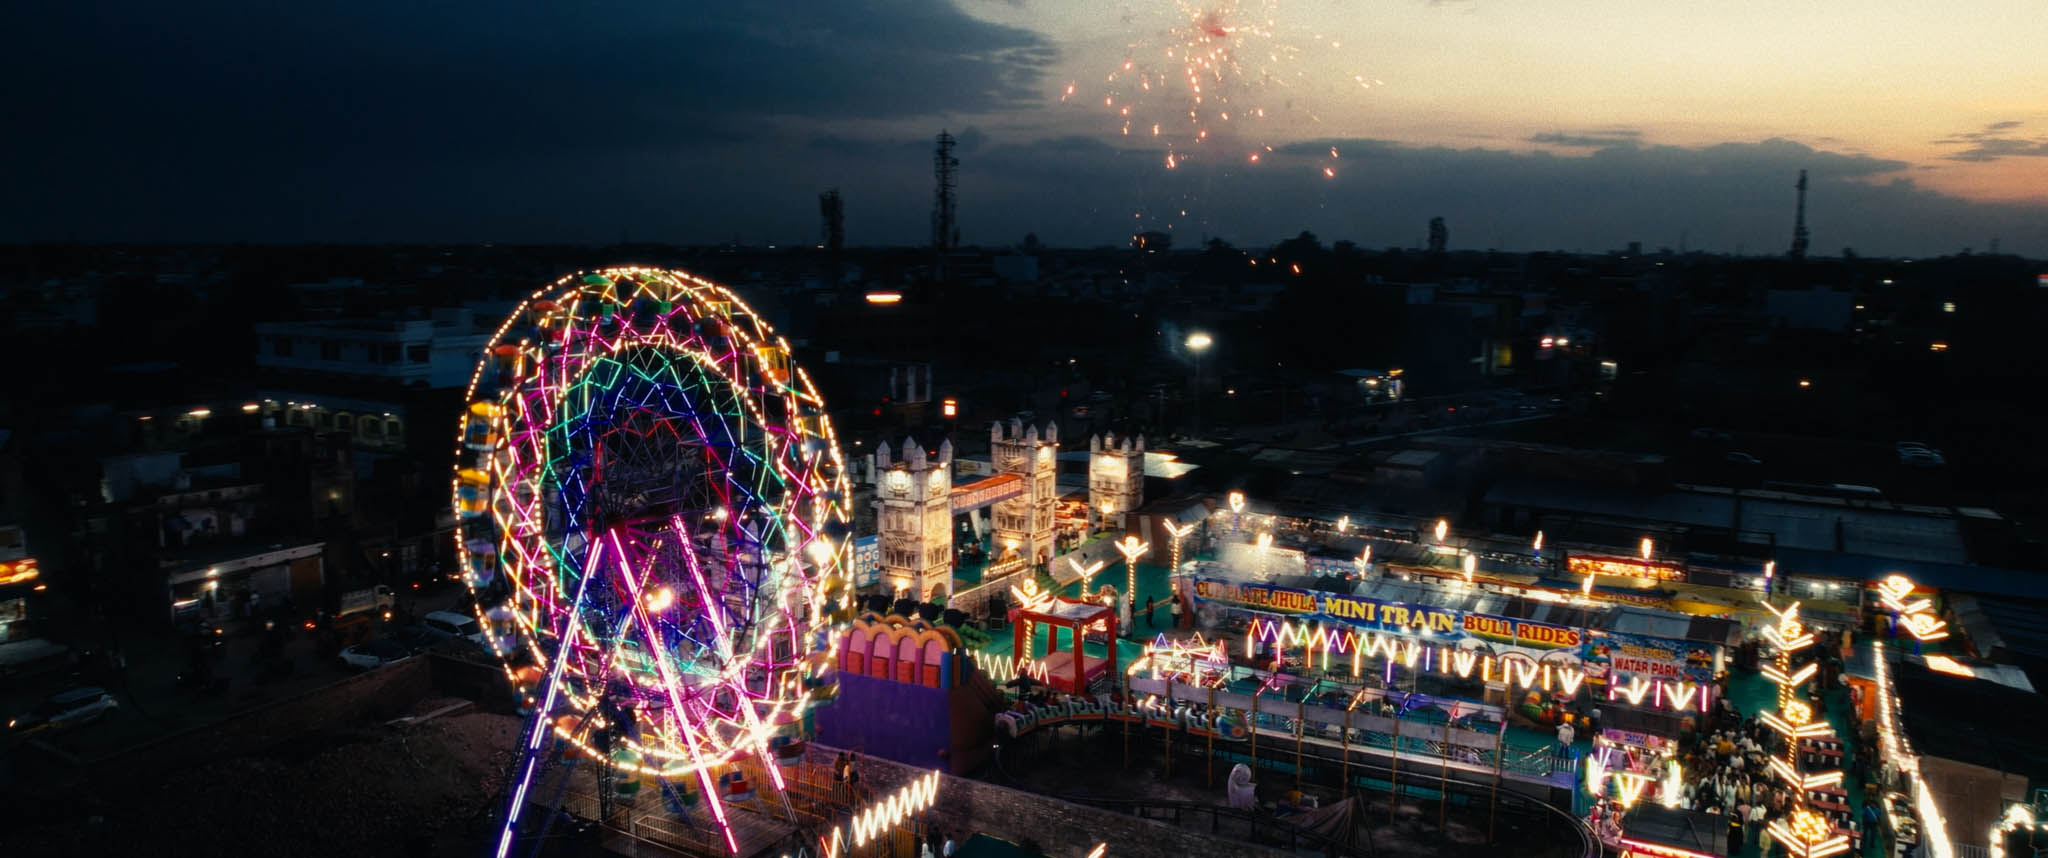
(654, 519)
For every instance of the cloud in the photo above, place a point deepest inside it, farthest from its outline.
(169, 121)
(1590, 140)
(1994, 143)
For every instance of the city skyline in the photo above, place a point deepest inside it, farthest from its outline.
(1527, 126)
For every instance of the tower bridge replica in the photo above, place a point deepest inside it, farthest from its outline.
(918, 498)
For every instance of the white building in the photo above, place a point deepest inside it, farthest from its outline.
(436, 352)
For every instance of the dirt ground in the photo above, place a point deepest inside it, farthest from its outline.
(426, 789)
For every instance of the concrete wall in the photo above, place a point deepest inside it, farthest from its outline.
(1061, 828)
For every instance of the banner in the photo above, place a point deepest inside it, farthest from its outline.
(1656, 658)
(1258, 597)
(1623, 567)
(1151, 712)
(1390, 616)
(1523, 633)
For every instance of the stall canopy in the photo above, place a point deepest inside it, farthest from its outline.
(1681, 627)
(1070, 670)
(1660, 830)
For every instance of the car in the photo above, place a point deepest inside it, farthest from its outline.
(1906, 446)
(1921, 459)
(374, 654)
(1743, 459)
(1080, 412)
(1706, 434)
(1556, 402)
(1101, 396)
(418, 639)
(66, 709)
(449, 625)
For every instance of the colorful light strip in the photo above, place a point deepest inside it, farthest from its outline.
(1513, 669)
(640, 438)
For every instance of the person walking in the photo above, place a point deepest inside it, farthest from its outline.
(1173, 606)
(1151, 605)
(1756, 823)
(1565, 734)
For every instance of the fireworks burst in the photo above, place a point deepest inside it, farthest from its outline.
(1207, 78)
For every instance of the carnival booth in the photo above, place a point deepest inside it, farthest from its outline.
(1637, 750)
(1654, 831)
(1071, 669)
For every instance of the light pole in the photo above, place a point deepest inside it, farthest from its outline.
(1198, 343)
(1131, 549)
(1177, 531)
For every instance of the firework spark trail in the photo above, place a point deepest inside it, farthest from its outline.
(1205, 79)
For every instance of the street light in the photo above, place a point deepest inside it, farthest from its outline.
(1198, 343)
(1131, 549)
(1177, 531)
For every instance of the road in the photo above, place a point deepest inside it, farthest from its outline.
(154, 704)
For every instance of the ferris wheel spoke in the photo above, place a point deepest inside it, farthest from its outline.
(661, 494)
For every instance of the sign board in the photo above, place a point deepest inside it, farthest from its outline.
(1390, 616)
(1523, 633)
(1624, 567)
(1258, 597)
(867, 561)
(1656, 658)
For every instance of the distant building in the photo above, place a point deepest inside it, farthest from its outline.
(1015, 269)
(436, 352)
(1818, 308)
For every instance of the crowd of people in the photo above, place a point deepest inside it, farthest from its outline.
(1728, 761)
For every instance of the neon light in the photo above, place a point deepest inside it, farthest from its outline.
(1569, 679)
(1629, 787)
(1681, 693)
(1949, 666)
(611, 374)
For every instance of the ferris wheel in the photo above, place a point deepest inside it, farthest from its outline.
(653, 517)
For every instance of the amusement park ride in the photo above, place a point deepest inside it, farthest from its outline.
(654, 525)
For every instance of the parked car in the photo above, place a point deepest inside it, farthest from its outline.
(1921, 459)
(367, 600)
(418, 639)
(1080, 412)
(1706, 434)
(1743, 459)
(449, 625)
(66, 709)
(1907, 446)
(374, 654)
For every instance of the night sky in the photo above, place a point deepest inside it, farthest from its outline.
(1537, 124)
